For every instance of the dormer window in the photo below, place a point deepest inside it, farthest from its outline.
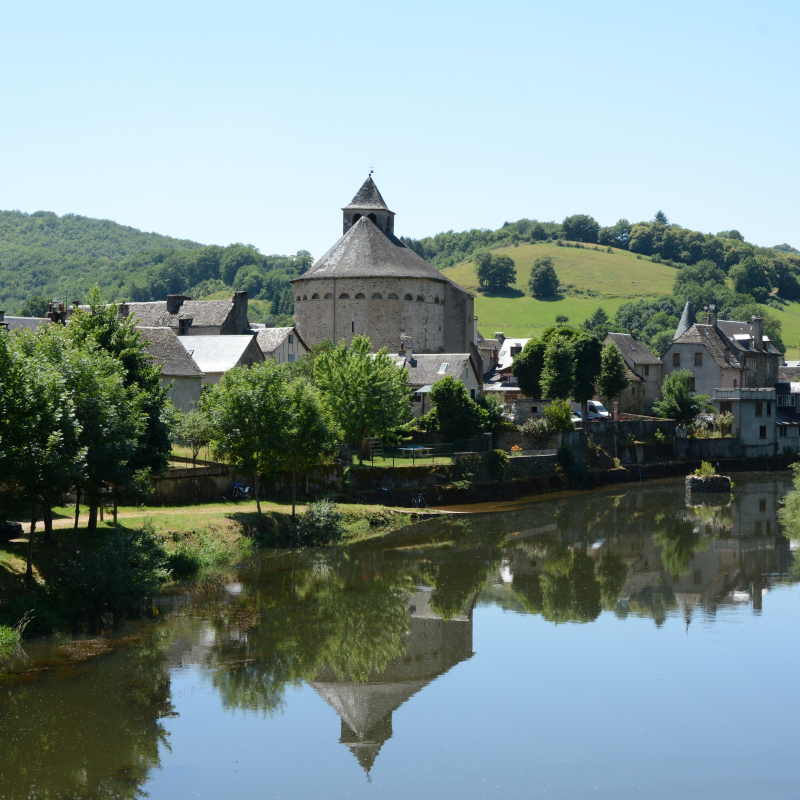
(183, 326)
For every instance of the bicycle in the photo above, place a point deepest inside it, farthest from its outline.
(240, 491)
(419, 501)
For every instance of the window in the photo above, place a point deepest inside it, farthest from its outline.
(352, 326)
(472, 393)
(328, 296)
(392, 297)
(534, 409)
(305, 297)
(780, 400)
(291, 338)
(183, 326)
(758, 527)
(762, 432)
(790, 400)
(698, 359)
(443, 368)
(762, 504)
(420, 298)
(249, 362)
(291, 357)
(417, 398)
(344, 296)
(356, 218)
(377, 296)
(782, 430)
(735, 383)
(691, 384)
(408, 297)
(646, 370)
(436, 300)
(769, 409)
(360, 296)
(726, 407)
(759, 409)
(373, 218)
(315, 296)
(297, 299)
(676, 359)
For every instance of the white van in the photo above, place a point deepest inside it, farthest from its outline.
(595, 409)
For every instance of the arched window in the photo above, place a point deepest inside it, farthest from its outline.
(373, 218)
(315, 296)
(377, 296)
(305, 297)
(408, 297)
(344, 296)
(392, 297)
(360, 296)
(328, 296)
(420, 298)
(436, 300)
(356, 218)
(297, 299)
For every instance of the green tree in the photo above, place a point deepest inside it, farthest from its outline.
(613, 379)
(194, 429)
(495, 272)
(751, 276)
(661, 218)
(543, 281)
(598, 324)
(367, 393)
(679, 402)
(558, 415)
(538, 233)
(558, 371)
(580, 228)
(34, 306)
(561, 319)
(457, 414)
(527, 368)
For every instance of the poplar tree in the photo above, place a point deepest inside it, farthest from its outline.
(558, 371)
(613, 379)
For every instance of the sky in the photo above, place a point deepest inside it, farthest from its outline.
(256, 122)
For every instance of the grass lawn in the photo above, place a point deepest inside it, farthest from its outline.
(403, 462)
(590, 278)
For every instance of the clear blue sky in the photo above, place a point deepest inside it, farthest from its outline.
(256, 122)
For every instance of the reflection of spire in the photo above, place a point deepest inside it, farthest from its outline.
(366, 746)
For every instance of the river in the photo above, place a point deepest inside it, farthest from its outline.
(610, 644)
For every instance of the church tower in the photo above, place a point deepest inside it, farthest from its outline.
(368, 203)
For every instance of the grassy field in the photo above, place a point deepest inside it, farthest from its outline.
(590, 278)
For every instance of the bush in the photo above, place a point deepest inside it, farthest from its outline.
(321, 524)
(705, 470)
(559, 416)
(120, 576)
(197, 553)
(496, 462)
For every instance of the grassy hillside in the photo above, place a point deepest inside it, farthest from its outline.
(590, 278)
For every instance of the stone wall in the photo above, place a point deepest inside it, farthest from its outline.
(192, 485)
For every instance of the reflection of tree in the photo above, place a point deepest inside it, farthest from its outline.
(458, 575)
(612, 572)
(93, 732)
(656, 600)
(679, 542)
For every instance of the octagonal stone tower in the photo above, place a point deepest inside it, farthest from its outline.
(371, 283)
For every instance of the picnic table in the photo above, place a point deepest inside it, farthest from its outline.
(416, 450)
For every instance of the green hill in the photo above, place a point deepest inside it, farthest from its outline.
(591, 277)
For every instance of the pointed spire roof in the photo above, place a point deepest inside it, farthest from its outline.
(687, 320)
(368, 196)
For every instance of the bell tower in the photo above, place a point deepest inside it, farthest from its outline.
(368, 203)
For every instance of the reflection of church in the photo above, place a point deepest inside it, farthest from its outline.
(435, 646)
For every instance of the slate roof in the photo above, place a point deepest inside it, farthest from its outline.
(712, 340)
(634, 351)
(423, 369)
(367, 196)
(365, 251)
(270, 339)
(203, 313)
(165, 348)
(217, 353)
(733, 329)
(26, 323)
(789, 374)
(687, 320)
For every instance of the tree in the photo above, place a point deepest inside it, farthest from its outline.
(543, 281)
(679, 402)
(247, 409)
(661, 218)
(495, 272)
(598, 324)
(527, 368)
(367, 393)
(613, 379)
(561, 319)
(538, 233)
(751, 276)
(34, 306)
(558, 371)
(308, 431)
(194, 429)
(457, 414)
(581, 228)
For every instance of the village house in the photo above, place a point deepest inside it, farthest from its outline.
(644, 373)
(722, 354)
(179, 371)
(22, 323)
(216, 355)
(425, 369)
(754, 418)
(282, 345)
(788, 413)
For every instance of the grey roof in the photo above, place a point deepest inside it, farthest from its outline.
(632, 349)
(424, 368)
(365, 251)
(714, 343)
(368, 196)
(270, 339)
(687, 320)
(507, 346)
(217, 353)
(203, 313)
(27, 323)
(737, 333)
(165, 348)
(789, 374)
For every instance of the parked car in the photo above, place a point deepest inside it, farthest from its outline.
(9, 531)
(595, 409)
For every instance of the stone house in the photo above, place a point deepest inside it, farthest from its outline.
(788, 413)
(179, 371)
(282, 345)
(189, 317)
(425, 369)
(372, 283)
(645, 373)
(754, 417)
(216, 355)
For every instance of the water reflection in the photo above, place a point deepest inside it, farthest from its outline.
(370, 629)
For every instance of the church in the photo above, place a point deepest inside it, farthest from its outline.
(371, 283)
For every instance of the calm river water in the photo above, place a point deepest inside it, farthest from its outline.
(613, 644)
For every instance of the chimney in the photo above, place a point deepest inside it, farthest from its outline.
(758, 333)
(175, 301)
(406, 345)
(500, 336)
(2, 316)
(239, 300)
(123, 309)
(711, 316)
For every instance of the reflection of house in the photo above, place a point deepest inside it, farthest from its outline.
(435, 646)
(178, 369)
(216, 355)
